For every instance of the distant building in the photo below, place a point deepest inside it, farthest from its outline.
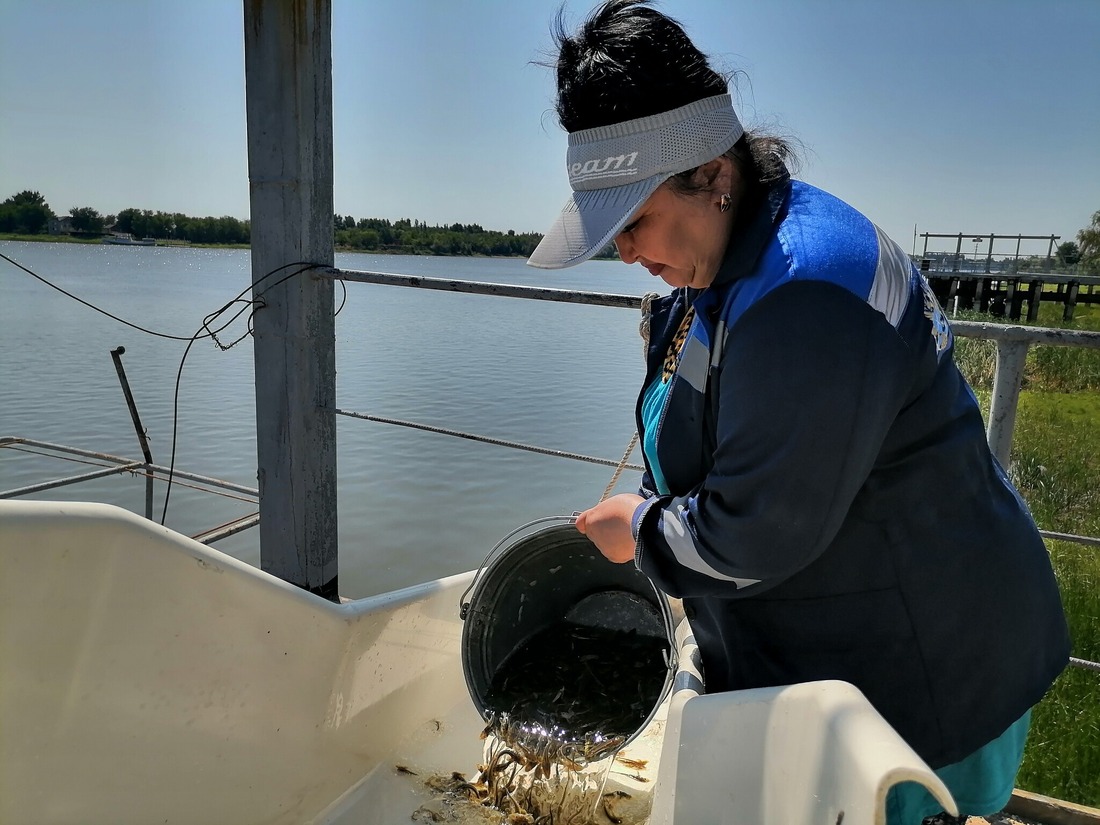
(60, 226)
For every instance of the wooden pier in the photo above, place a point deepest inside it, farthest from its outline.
(1002, 295)
(999, 284)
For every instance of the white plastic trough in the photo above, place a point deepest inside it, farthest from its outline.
(147, 678)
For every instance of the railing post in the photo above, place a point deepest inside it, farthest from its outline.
(1011, 357)
(288, 78)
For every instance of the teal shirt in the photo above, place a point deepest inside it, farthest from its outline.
(981, 783)
(653, 404)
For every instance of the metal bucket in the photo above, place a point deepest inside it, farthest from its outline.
(547, 575)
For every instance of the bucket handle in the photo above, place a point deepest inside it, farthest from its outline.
(463, 605)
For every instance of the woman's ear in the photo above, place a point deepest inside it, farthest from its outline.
(716, 175)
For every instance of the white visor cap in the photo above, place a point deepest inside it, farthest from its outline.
(614, 169)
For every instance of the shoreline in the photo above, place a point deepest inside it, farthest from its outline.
(10, 236)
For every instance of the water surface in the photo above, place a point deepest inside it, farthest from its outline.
(413, 505)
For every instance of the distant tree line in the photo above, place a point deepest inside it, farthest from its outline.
(415, 237)
(144, 223)
(27, 213)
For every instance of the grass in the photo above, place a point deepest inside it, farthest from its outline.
(1055, 464)
(44, 238)
(1055, 467)
(98, 239)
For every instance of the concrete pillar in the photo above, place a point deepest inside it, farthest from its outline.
(288, 79)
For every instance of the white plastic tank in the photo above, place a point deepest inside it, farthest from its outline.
(149, 678)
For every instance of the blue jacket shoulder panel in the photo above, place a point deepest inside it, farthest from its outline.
(820, 238)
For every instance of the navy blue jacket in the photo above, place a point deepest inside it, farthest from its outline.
(833, 510)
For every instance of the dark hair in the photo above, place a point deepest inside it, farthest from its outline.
(628, 60)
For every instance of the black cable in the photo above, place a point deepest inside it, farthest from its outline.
(251, 304)
(343, 300)
(254, 303)
(93, 306)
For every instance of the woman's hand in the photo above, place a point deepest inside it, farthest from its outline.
(607, 525)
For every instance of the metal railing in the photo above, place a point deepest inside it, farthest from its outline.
(985, 260)
(109, 465)
(1012, 342)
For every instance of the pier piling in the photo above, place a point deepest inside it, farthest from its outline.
(288, 79)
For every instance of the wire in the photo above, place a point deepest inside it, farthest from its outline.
(93, 306)
(204, 331)
(210, 334)
(343, 300)
(256, 303)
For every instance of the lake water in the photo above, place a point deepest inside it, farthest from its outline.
(413, 505)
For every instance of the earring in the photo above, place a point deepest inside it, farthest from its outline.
(725, 202)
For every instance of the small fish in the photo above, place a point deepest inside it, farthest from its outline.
(475, 793)
(610, 812)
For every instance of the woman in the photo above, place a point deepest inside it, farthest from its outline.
(819, 490)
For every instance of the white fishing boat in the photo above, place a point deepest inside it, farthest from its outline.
(126, 239)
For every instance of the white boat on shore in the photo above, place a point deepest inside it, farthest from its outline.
(126, 239)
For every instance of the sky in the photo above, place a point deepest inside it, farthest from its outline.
(940, 116)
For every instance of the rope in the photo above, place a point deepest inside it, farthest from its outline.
(500, 442)
(1084, 663)
(622, 466)
(643, 331)
(647, 317)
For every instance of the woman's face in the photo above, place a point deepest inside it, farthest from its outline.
(680, 238)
